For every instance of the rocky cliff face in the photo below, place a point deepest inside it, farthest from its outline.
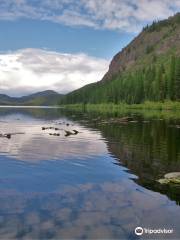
(153, 41)
(148, 69)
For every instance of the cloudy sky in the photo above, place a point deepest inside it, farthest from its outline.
(65, 44)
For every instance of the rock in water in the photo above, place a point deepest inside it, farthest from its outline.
(172, 175)
(75, 132)
(163, 181)
(170, 178)
(8, 135)
(54, 134)
(68, 133)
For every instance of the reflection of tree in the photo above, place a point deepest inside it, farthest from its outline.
(43, 113)
(153, 146)
(98, 210)
(149, 150)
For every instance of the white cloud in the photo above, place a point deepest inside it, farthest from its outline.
(30, 70)
(123, 15)
(22, 145)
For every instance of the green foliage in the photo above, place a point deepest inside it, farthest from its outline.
(177, 79)
(171, 82)
(156, 26)
(155, 107)
(150, 70)
(149, 49)
(156, 82)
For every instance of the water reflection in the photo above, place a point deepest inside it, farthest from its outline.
(35, 145)
(87, 211)
(89, 190)
(149, 149)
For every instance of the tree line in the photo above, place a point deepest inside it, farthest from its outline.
(156, 82)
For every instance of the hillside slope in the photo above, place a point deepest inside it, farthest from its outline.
(147, 69)
(47, 97)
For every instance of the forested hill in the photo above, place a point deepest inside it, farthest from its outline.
(47, 97)
(147, 69)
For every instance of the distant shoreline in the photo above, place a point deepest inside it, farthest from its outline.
(111, 107)
(161, 110)
(23, 106)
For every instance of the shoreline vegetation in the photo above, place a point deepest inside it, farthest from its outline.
(166, 110)
(110, 107)
(143, 75)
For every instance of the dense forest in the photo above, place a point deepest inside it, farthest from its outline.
(154, 83)
(148, 69)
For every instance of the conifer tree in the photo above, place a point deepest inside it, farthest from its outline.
(177, 80)
(171, 81)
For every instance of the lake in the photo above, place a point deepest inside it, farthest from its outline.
(97, 183)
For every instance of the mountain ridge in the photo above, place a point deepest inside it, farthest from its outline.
(47, 97)
(148, 42)
(147, 69)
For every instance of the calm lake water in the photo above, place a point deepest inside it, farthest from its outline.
(97, 184)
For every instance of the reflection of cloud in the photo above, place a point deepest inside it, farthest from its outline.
(36, 145)
(30, 70)
(64, 213)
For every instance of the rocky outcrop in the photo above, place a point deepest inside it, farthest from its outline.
(157, 39)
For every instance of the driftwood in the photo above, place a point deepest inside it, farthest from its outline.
(68, 133)
(51, 128)
(54, 134)
(75, 132)
(8, 135)
(47, 128)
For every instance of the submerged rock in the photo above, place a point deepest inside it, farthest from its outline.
(46, 128)
(54, 134)
(8, 135)
(122, 120)
(163, 181)
(75, 132)
(96, 119)
(169, 181)
(50, 128)
(125, 119)
(68, 133)
(170, 178)
(172, 175)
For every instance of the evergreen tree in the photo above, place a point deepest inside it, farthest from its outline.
(153, 82)
(177, 80)
(171, 78)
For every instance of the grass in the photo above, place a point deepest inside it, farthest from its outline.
(167, 105)
(148, 109)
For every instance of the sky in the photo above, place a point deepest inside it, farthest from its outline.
(65, 44)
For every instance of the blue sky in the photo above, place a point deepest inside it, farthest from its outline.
(65, 44)
(29, 33)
